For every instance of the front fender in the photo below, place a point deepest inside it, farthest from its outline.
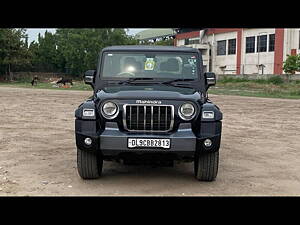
(210, 128)
(87, 126)
(88, 104)
(212, 107)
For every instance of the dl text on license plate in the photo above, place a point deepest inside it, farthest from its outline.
(152, 143)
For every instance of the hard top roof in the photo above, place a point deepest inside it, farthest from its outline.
(149, 48)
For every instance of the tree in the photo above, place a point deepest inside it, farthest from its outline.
(292, 64)
(80, 47)
(13, 49)
(44, 54)
(67, 50)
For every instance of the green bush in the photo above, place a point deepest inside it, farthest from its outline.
(295, 93)
(261, 81)
(297, 81)
(275, 80)
(233, 80)
(292, 64)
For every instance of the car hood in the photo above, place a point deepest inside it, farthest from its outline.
(148, 92)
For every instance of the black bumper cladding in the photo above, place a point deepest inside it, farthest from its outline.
(111, 141)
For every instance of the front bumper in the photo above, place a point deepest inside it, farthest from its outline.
(111, 141)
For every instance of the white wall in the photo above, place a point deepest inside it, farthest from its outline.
(249, 61)
(291, 41)
(180, 42)
(222, 60)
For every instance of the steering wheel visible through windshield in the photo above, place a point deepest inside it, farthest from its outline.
(156, 65)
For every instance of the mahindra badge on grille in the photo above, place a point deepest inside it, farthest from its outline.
(148, 102)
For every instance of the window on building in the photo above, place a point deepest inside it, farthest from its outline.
(231, 46)
(189, 41)
(194, 41)
(262, 43)
(271, 42)
(221, 47)
(250, 44)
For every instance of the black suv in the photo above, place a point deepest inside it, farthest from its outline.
(150, 105)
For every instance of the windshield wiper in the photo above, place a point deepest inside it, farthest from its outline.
(175, 84)
(176, 80)
(131, 80)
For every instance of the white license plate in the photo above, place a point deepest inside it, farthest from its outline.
(149, 143)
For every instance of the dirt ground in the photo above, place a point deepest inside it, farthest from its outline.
(259, 152)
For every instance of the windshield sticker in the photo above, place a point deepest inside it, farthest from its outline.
(192, 61)
(149, 64)
(109, 54)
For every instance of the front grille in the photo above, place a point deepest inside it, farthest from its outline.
(148, 118)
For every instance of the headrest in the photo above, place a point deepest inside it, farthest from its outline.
(130, 60)
(171, 65)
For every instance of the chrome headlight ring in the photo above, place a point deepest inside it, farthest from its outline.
(187, 111)
(109, 110)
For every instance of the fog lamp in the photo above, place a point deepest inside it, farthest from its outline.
(88, 141)
(207, 142)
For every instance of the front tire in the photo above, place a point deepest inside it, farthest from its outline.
(89, 164)
(206, 166)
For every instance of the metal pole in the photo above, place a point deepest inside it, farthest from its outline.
(258, 52)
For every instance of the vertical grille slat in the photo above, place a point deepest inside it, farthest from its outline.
(130, 117)
(148, 118)
(166, 118)
(145, 109)
(137, 118)
(158, 122)
(151, 117)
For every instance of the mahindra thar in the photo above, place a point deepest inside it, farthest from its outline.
(149, 106)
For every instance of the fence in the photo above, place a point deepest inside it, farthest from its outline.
(287, 77)
(42, 76)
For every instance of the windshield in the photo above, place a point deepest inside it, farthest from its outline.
(156, 65)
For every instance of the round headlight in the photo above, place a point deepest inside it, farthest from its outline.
(110, 110)
(187, 111)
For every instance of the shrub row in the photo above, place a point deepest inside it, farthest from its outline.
(277, 80)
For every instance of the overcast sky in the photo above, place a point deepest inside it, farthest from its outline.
(33, 32)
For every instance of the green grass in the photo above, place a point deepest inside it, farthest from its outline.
(275, 87)
(77, 85)
(272, 80)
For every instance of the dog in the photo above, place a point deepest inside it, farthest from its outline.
(34, 80)
(64, 81)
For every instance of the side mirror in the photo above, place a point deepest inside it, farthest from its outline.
(89, 77)
(210, 79)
